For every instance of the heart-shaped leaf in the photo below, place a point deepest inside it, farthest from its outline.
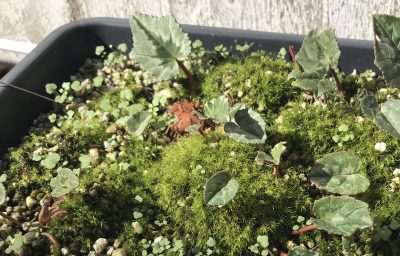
(217, 109)
(319, 51)
(342, 215)
(220, 189)
(248, 127)
(312, 82)
(263, 158)
(339, 173)
(64, 182)
(387, 54)
(158, 43)
(138, 122)
(300, 251)
(388, 119)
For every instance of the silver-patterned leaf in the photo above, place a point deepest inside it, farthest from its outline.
(300, 251)
(339, 173)
(342, 215)
(217, 109)
(220, 189)
(138, 122)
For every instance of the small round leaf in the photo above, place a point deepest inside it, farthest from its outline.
(64, 182)
(300, 251)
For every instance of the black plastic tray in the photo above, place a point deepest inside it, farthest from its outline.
(62, 52)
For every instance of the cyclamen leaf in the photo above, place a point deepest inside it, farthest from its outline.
(388, 119)
(300, 251)
(220, 189)
(342, 215)
(312, 82)
(138, 122)
(339, 173)
(3, 194)
(248, 127)
(387, 54)
(319, 51)
(277, 151)
(158, 43)
(64, 182)
(263, 157)
(369, 106)
(217, 109)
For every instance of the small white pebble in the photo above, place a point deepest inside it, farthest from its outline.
(158, 239)
(396, 171)
(359, 119)
(232, 153)
(380, 146)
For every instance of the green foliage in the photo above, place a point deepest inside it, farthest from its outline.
(300, 251)
(318, 55)
(64, 182)
(387, 28)
(16, 243)
(179, 188)
(138, 122)
(341, 215)
(387, 118)
(3, 194)
(275, 156)
(247, 127)
(339, 173)
(218, 109)
(158, 44)
(85, 161)
(259, 81)
(99, 50)
(51, 160)
(51, 88)
(369, 106)
(220, 189)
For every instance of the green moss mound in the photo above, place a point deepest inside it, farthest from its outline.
(309, 130)
(263, 205)
(260, 81)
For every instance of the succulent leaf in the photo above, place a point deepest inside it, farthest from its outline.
(217, 109)
(158, 43)
(300, 251)
(138, 122)
(248, 127)
(342, 215)
(64, 182)
(339, 173)
(387, 54)
(220, 189)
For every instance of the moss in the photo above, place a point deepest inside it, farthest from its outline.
(309, 130)
(263, 205)
(259, 81)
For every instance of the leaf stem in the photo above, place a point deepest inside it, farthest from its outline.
(338, 83)
(16, 222)
(293, 56)
(304, 229)
(276, 170)
(52, 239)
(187, 73)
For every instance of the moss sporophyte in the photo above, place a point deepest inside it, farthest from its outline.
(168, 148)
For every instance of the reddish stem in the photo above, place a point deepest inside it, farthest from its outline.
(304, 229)
(338, 83)
(52, 239)
(293, 56)
(187, 73)
(276, 170)
(16, 222)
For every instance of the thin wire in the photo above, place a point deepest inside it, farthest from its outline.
(27, 91)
